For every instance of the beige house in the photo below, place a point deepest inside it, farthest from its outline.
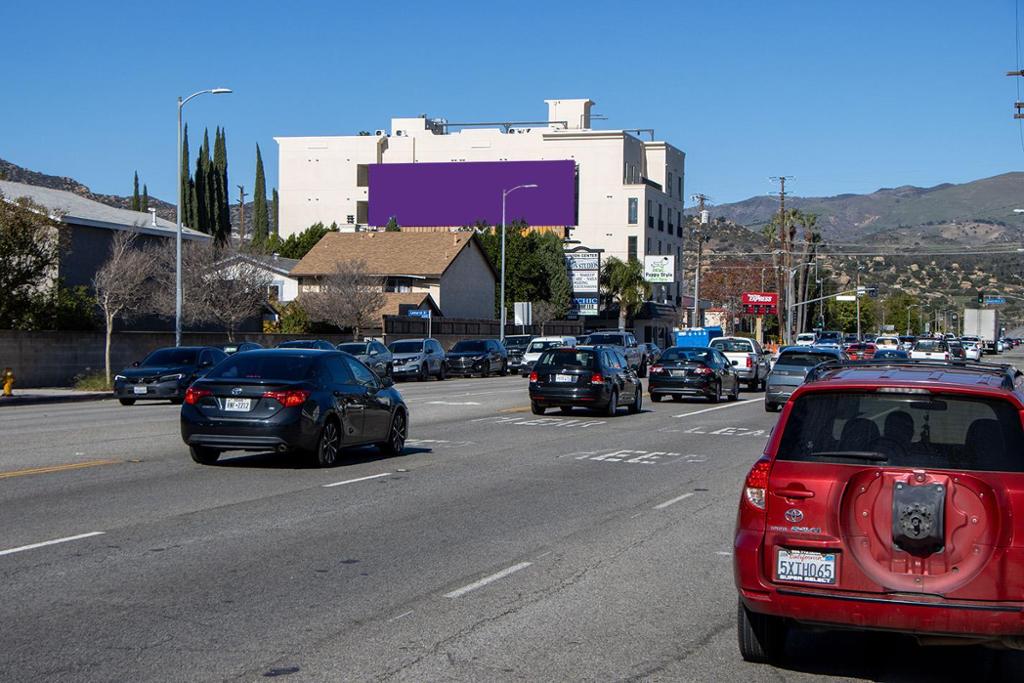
(450, 267)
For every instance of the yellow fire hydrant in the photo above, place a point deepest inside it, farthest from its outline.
(8, 378)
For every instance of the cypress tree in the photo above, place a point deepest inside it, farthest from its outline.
(274, 213)
(202, 185)
(222, 199)
(185, 210)
(260, 222)
(136, 202)
(145, 198)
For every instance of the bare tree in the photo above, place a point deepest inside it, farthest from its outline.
(546, 311)
(347, 297)
(122, 285)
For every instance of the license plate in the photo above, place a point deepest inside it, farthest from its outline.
(139, 389)
(806, 567)
(237, 404)
(564, 378)
(678, 373)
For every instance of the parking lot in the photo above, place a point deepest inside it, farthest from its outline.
(500, 546)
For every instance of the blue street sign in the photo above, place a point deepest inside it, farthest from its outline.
(419, 313)
(995, 300)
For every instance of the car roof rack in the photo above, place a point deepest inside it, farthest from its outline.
(1008, 372)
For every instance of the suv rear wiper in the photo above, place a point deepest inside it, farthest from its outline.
(856, 455)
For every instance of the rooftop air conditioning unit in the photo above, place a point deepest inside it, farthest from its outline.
(379, 133)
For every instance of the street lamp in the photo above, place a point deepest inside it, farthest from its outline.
(504, 196)
(177, 242)
(908, 316)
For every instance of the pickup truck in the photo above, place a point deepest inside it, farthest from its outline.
(626, 344)
(748, 359)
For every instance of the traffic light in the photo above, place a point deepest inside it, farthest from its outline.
(981, 297)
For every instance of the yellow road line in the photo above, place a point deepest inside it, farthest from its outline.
(519, 409)
(57, 468)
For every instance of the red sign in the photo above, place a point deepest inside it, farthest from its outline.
(760, 303)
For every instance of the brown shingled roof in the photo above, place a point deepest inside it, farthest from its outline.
(386, 253)
(392, 300)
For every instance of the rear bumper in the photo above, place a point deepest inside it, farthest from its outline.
(584, 396)
(656, 384)
(290, 429)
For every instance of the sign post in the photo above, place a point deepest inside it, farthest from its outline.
(423, 313)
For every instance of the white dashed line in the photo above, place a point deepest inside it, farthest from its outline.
(735, 404)
(660, 506)
(487, 579)
(352, 481)
(404, 614)
(11, 551)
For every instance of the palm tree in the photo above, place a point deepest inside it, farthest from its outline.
(623, 282)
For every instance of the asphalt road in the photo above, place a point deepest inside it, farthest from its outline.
(500, 546)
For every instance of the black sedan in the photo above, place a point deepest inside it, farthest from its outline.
(165, 374)
(477, 357)
(693, 371)
(598, 378)
(292, 401)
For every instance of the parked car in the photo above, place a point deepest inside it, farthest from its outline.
(516, 345)
(891, 354)
(791, 369)
(418, 358)
(694, 371)
(887, 341)
(240, 347)
(972, 350)
(165, 374)
(625, 343)
(748, 359)
(292, 401)
(319, 344)
(886, 502)
(806, 339)
(539, 345)
(930, 349)
(372, 354)
(584, 377)
(862, 351)
(477, 357)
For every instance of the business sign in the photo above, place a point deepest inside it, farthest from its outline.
(452, 194)
(760, 303)
(994, 300)
(584, 267)
(660, 269)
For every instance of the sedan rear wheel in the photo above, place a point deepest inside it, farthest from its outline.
(204, 455)
(716, 395)
(735, 392)
(330, 444)
(396, 436)
(656, 398)
(127, 401)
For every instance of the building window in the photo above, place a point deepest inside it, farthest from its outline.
(362, 175)
(650, 214)
(648, 250)
(679, 223)
(362, 212)
(659, 247)
(633, 209)
(631, 248)
(680, 180)
(661, 221)
(669, 184)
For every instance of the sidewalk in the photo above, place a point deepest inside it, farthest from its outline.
(23, 397)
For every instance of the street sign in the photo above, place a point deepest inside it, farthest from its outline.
(660, 269)
(523, 312)
(760, 303)
(995, 300)
(846, 297)
(419, 313)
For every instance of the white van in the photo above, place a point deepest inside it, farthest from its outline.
(887, 341)
(806, 339)
(538, 346)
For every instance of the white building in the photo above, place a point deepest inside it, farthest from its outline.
(630, 189)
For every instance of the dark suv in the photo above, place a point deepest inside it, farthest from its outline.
(165, 374)
(586, 377)
(888, 498)
(477, 357)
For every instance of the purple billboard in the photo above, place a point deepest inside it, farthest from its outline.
(462, 193)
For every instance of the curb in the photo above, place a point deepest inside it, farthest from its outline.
(41, 400)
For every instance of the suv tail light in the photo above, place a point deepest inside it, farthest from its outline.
(657, 369)
(533, 376)
(945, 356)
(192, 395)
(597, 378)
(290, 398)
(750, 362)
(756, 485)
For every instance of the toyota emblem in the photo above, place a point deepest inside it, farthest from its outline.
(236, 391)
(794, 516)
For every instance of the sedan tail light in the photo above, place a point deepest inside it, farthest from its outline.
(290, 398)
(533, 376)
(703, 370)
(757, 483)
(192, 395)
(657, 369)
(597, 378)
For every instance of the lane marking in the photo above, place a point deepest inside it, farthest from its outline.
(487, 579)
(518, 409)
(661, 506)
(748, 402)
(352, 481)
(46, 469)
(544, 554)
(452, 403)
(33, 546)
(404, 614)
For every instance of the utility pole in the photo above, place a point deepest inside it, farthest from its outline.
(858, 302)
(241, 213)
(702, 214)
(1018, 107)
(786, 328)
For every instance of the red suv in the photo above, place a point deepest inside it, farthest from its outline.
(889, 497)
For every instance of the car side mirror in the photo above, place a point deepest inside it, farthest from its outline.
(387, 382)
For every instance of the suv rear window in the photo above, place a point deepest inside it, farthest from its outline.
(732, 345)
(804, 359)
(567, 358)
(904, 430)
(598, 339)
(931, 345)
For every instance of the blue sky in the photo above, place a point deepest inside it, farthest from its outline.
(845, 96)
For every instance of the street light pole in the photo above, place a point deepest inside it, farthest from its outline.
(504, 196)
(177, 212)
(917, 306)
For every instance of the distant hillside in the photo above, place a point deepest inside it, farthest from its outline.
(848, 217)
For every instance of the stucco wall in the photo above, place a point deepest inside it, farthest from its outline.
(467, 287)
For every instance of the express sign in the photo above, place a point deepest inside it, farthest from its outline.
(760, 303)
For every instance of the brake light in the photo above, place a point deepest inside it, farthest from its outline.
(533, 376)
(750, 362)
(702, 370)
(945, 356)
(757, 483)
(290, 398)
(193, 395)
(657, 369)
(597, 378)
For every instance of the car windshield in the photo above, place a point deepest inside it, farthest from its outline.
(538, 346)
(901, 430)
(699, 355)
(470, 345)
(355, 348)
(263, 366)
(598, 339)
(732, 345)
(406, 347)
(567, 358)
(172, 357)
(517, 342)
(804, 359)
(930, 345)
